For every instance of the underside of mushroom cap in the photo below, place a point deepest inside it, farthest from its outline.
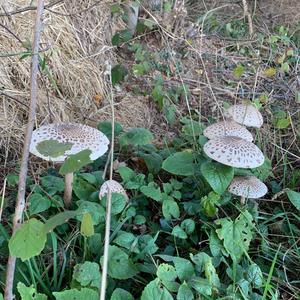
(248, 187)
(227, 128)
(114, 186)
(81, 137)
(245, 114)
(234, 152)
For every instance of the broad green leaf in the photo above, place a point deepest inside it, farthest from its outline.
(118, 203)
(118, 73)
(29, 293)
(153, 162)
(53, 148)
(185, 293)
(170, 209)
(126, 173)
(106, 128)
(179, 232)
(209, 203)
(184, 268)
(201, 285)
(136, 137)
(155, 290)
(87, 227)
(120, 265)
(217, 175)
(53, 184)
(87, 274)
(188, 225)
(121, 37)
(166, 272)
(120, 294)
(152, 191)
(75, 294)
(283, 123)
(236, 234)
(75, 162)
(58, 219)
(215, 245)
(255, 275)
(83, 189)
(29, 240)
(38, 203)
(95, 209)
(294, 197)
(180, 163)
(126, 240)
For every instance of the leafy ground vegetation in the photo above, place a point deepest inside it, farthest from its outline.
(180, 234)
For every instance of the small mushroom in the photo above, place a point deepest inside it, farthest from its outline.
(245, 114)
(227, 128)
(234, 151)
(78, 136)
(114, 187)
(247, 187)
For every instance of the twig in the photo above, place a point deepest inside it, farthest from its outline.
(2, 199)
(20, 204)
(108, 204)
(13, 98)
(28, 8)
(11, 32)
(248, 15)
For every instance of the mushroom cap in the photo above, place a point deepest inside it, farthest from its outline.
(245, 114)
(248, 187)
(81, 136)
(114, 186)
(234, 151)
(227, 128)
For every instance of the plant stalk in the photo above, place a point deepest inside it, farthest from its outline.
(243, 200)
(20, 203)
(68, 189)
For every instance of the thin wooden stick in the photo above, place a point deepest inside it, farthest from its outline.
(20, 204)
(2, 199)
(108, 204)
(248, 15)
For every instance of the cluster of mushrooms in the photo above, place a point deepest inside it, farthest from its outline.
(79, 137)
(231, 144)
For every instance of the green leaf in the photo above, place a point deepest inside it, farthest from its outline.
(238, 71)
(209, 203)
(126, 173)
(179, 232)
(120, 294)
(83, 189)
(201, 285)
(118, 203)
(184, 268)
(53, 148)
(153, 162)
(29, 293)
(170, 209)
(75, 294)
(185, 293)
(180, 163)
(283, 123)
(255, 275)
(215, 244)
(121, 37)
(294, 197)
(236, 235)
(136, 137)
(53, 184)
(87, 227)
(106, 128)
(166, 272)
(140, 69)
(188, 225)
(217, 175)
(29, 240)
(125, 240)
(87, 274)
(152, 191)
(38, 203)
(58, 219)
(95, 209)
(119, 264)
(155, 290)
(75, 162)
(158, 95)
(118, 73)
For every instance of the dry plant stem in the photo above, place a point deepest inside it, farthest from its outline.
(247, 13)
(20, 204)
(68, 190)
(2, 199)
(108, 203)
(243, 200)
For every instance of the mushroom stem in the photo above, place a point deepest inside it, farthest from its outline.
(243, 200)
(68, 189)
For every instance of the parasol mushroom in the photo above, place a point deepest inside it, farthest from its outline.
(78, 137)
(114, 187)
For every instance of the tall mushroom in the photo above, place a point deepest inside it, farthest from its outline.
(245, 114)
(76, 137)
(247, 187)
(112, 186)
(227, 128)
(234, 151)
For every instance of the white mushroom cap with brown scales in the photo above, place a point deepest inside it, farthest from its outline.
(114, 186)
(227, 128)
(80, 136)
(247, 187)
(245, 114)
(234, 151)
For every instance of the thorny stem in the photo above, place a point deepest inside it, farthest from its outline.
(68, 190)
(108, 203)
(20, 203)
